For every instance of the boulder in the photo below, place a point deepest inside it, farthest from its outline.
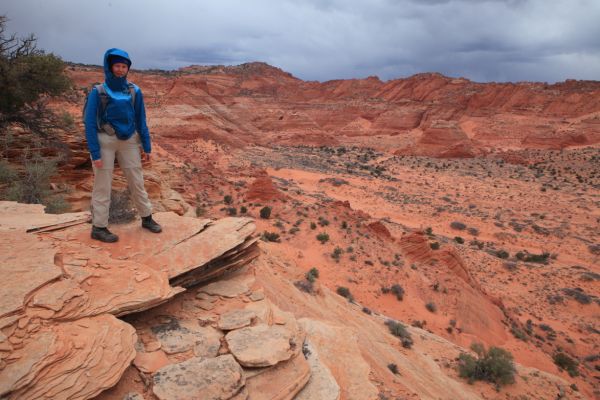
(218, 378)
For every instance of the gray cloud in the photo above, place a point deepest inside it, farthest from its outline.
(483, 40)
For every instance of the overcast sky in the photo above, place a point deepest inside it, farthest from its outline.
(483, 40)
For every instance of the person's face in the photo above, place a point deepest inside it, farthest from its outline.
(119, 70)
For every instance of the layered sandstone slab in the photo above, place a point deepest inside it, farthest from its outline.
(26, 264)
(69, 360)
(280, 382)
(31, 218)
(60, 337)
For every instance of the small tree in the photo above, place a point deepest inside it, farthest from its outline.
(27, 77)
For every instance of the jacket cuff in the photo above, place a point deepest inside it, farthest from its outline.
(96, 156)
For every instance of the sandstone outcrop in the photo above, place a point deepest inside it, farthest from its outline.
(60, 338)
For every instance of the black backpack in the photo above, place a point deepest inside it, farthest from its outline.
(104, 101)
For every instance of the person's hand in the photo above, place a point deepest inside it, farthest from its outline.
(146, 157)
(98, 163)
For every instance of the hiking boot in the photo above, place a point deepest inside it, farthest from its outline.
(150, 224)
(103, 235)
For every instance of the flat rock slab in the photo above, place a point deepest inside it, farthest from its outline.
(96, 283)
(219, 378)
(280, 382)
(321, 385)
(177, 336)
(229, 288)
(262, 345)
(26, 264)
(236, 319)
(31, 217)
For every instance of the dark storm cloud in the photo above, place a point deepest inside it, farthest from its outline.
(484, 40)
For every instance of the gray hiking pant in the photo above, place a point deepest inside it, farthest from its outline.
(130, 161)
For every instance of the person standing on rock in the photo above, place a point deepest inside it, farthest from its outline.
(113, 113)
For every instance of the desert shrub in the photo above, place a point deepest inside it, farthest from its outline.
(434, 245)
(231, 211)
(7, 174)
(535, 258)
(394, 368)
(313, 226)
(270, 237)
(459, 240)
(344, 292)
(121, 209)
(265, 212)
(200, 211)
(473, 231)
(243, 210)
(495, 366)
(56, 205)
(429, 231)
(578, 294)
(459, 226)
(502, 254)
(367, 310)
(594, 249)
(590, 276)
(400, 331)
(563, 361)
(337, 252)
(323, 221)
(344, 225)
(431, 307)
(305, 285)
(312, 274)
(398, 291)
(227, 199)
(322, 237)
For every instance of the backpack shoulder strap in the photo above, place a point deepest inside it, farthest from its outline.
(132, 91)
(103, 96)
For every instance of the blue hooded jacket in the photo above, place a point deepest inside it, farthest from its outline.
(124, 117)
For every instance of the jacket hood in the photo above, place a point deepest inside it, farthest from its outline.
(111, 80)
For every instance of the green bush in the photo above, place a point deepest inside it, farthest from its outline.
(231, 211)
(563, 361)
(398, 291)
(434, 245)
(534, 258)
(459, 226)
(323, 237)
(313, 226)
(265, 212)
(312, 275)
(459, 240)
(227, 199)
(344, 292)
(400, 331)
(270, 237)
(502, 254)
(32, 186)
(243, 210)
(394, 368)
(495, 366)
(431, 307)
